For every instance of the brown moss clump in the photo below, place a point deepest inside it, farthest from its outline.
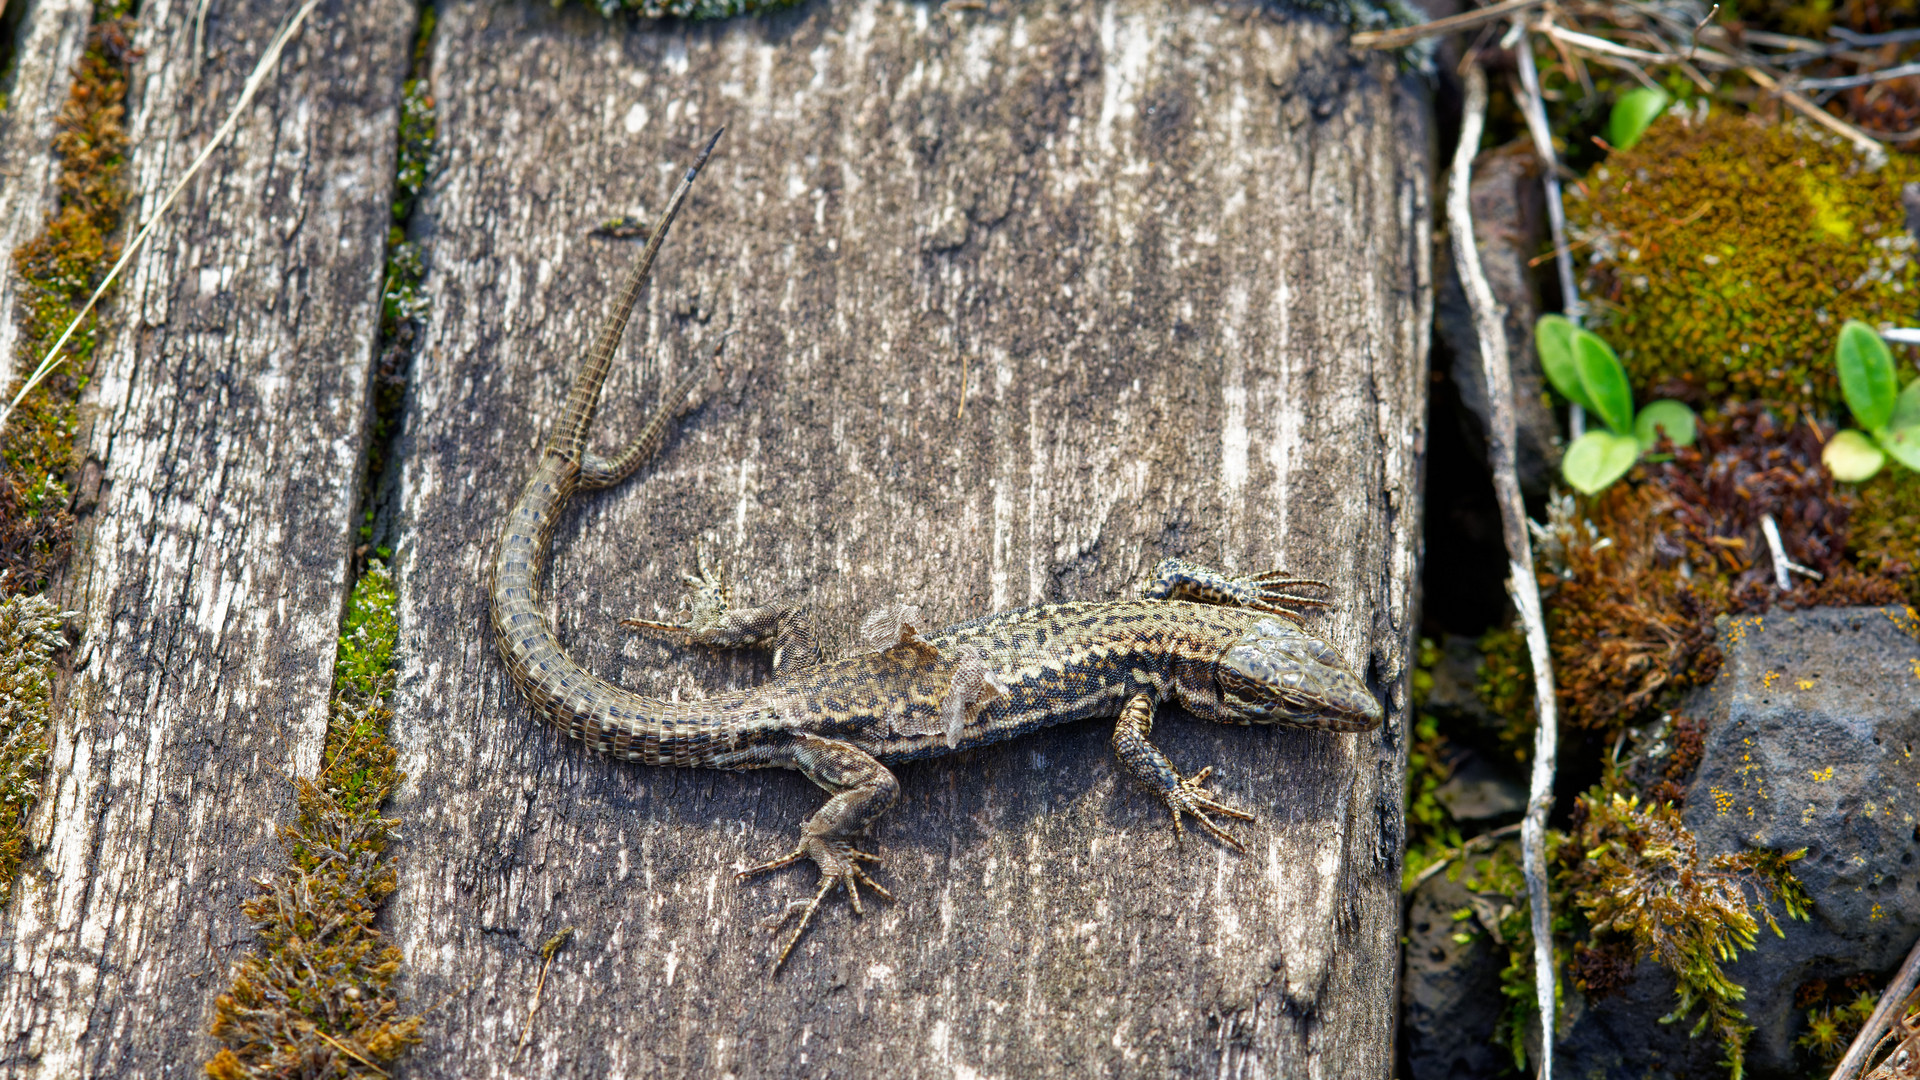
(1726, 254)
(58, 270)
(1750, 462)
(1626, 620)
(319, 999)
(1689, 739)
(1634, 577)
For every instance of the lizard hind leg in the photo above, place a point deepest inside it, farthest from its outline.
(862, 790)
(1182, 795)
(787, 627)
(1274, 591)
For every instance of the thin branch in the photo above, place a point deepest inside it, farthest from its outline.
(1407, 35)
(1847, 82)
(1489, 328)
(258, 78)
(1472, 844)
(1533, 107)
(1890, 1002)
(1891, 37)
(548, 950)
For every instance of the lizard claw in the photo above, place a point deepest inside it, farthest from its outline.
(1271, 592)
(1190, 796)
(712, 597)
(839, 863)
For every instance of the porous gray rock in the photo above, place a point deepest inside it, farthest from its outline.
(1812, 727)
(1450, 994)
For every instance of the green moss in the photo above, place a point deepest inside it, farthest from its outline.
(1726, 253)
(318, 998)
(403, 303)
(1640, 880)
(1506, 686)
(58, 270)
(1886, 532)
(1432, 834)
(1834, 1016)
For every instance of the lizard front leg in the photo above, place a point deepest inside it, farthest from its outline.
(862, 789)
(1177, 579)
(1147, 764)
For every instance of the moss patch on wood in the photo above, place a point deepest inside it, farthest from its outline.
(58, 271)
(29, 638)
(1726, 253)
(318, 999)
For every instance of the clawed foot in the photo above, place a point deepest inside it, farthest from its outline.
(839, 862)
(712, 598)
(1191, 797)
(1272, 592)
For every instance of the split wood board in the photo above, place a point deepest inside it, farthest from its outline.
(223, 434)
(1024, 298)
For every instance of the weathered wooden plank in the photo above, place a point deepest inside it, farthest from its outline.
(1176, 252)
(48, 39)
(227, 418)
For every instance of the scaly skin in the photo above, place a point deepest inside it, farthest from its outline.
(1226, 649)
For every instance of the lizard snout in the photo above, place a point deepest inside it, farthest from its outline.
(1279, 673)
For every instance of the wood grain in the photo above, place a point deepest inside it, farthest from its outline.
(225, 429)
(1022, 302)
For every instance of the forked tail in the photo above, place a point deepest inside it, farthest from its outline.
(605, 716)
(583, 401)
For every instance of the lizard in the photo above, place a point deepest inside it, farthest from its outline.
(1227, 649)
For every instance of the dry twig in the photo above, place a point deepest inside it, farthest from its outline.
(1489, 328)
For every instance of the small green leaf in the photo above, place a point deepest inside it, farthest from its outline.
(1903, 443)
(1669, 416)
(1852, 457)
(1866, 374)
(1901, 436)
(1906, 408)
(1604, 380)
(1553, 337)
(1598, 458)
(1632, 114)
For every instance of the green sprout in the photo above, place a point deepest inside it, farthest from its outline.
(1586, 372)
(1633, 114)
(1891, 418)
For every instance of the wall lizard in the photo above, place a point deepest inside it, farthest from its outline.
(1225, 649)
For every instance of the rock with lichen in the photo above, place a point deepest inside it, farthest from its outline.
(1722, 255)
(1809, 731)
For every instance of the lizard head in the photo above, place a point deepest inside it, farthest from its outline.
(1279, 673)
